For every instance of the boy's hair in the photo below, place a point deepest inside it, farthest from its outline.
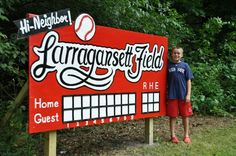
(178, 47)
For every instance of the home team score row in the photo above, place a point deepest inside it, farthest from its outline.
(92, 107)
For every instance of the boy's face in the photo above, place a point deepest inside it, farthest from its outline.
(176, 55)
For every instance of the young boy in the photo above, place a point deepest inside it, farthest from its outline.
(179, 93)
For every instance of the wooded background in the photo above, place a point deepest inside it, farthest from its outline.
(206, 29)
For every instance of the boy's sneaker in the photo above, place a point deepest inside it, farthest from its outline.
(187, 140)
(174, 140)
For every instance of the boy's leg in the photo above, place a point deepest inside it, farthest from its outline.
(172, 126)
(186, 126)
(174, 139)
(172, 112)
(187, 139)
(186, 111)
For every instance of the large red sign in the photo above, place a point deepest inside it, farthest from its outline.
(84, 74)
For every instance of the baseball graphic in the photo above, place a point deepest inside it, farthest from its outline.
(84, 27)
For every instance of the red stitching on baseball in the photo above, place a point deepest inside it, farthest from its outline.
(80, 24)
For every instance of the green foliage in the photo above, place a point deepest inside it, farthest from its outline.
(13, 65)
(13, 76)
(213, 60)
(15, 139)
(208, 92)
(148, 16)
(228, 82)
(13, 69)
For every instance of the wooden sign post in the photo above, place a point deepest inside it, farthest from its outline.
(50, 144)
(149, 130)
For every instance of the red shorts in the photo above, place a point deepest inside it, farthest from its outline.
(179, 107)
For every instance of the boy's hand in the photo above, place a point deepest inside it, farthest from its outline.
(187, 98)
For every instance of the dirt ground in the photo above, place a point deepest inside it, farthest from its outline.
(99, 139)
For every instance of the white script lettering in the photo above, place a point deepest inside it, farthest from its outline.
(69, 60)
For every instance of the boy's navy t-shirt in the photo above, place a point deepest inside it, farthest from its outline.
(178, 75)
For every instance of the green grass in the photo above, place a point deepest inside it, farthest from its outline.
(207, 142)
(211, 136)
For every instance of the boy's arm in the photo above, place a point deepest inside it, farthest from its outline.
(188, 96)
